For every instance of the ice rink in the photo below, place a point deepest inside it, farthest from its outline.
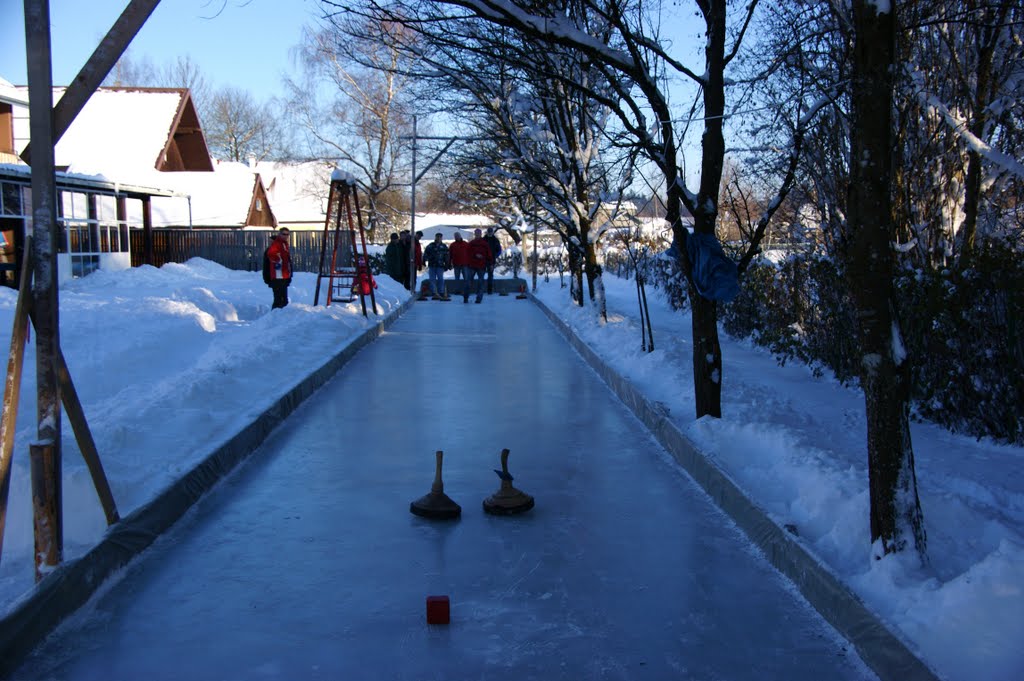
(307, 564)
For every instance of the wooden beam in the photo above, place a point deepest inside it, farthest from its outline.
(46, 496)
(69, 397)
(96, 69)
(147, 230)
(44, 252)
(12, 385)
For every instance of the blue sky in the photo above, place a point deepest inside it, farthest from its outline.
(242, 43)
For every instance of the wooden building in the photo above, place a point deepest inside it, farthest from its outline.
(134, 158)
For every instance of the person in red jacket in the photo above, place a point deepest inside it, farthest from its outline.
(280, 268)
(459, 252)
(480, 257)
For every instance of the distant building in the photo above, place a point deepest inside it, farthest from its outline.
(298, 192)
(450, 223)
(95, 210)
(132, 158)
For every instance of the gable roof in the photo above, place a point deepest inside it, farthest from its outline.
(298, 191)
(224, 198)
(122, 131)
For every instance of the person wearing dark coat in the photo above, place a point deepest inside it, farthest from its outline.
(479, 258)
(495, 246)
(437, 258)
(404, 244)
(393, 259)
(419, 252)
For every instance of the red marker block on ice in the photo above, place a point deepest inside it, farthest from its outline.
(438, 610)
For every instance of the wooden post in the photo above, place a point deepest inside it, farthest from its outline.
(76, 416)
(12, 385)
(44, 241)
(147, 231)
(122, 226)
(46, 506)
(69, 396)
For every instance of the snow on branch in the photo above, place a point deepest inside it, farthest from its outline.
(508, 13)
(973, 142)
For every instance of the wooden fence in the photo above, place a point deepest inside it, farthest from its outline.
(234, 249)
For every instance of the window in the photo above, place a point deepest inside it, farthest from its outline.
(82, 265)
(90, 229)
(10, 199)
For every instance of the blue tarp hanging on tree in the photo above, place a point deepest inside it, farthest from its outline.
(715, 275)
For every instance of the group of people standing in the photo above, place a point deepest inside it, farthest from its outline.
(396, 257)
(473, 259)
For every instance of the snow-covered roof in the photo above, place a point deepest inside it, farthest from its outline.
(23, 172)
(426, 221)
(297, 191)
(221, 198)
(12, 95)
(122, 135)
(450, 223)
(120, 132)
(142, 122)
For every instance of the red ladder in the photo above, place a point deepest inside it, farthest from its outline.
(348, 270)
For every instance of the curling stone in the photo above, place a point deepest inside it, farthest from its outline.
(507, 500)
(436, 505)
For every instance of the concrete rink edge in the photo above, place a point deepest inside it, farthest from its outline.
(73, 583)
(881, 649)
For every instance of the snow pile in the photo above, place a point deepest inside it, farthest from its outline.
(797, 445)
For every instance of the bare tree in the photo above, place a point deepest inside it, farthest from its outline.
(239, 129)
(186, 73)
(353, 105)
(132, 72)
(549, 150)
(959, 125)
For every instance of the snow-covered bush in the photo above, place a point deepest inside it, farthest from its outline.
(962, 331)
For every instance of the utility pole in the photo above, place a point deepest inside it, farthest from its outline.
(415, 137)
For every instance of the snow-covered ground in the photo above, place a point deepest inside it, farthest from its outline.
(170, 362)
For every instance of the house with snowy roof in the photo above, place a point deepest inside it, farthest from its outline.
(94, 211)
(448, 224)
(231, 196)
(153, 136)
(297, 191)
(132, 158)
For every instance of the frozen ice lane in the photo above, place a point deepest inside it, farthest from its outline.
(307, 564)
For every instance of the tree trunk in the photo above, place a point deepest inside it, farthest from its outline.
(575, 276)
(707, 351)
(988, 37)
(595, 287)
(895, 508)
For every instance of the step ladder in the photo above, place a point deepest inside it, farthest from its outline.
(344, 260)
